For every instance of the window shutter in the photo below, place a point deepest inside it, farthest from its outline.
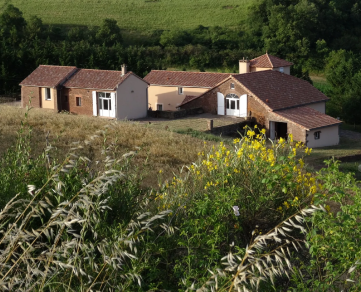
(220, 104)
(95, 108)
(243, 105)
(112, 98)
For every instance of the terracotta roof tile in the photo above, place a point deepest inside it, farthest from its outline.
(48, 76)
(269, 61)
(280, 91)
(308, 118)
(96, 79)
(183, 78)
(188, 98)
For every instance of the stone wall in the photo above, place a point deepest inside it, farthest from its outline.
(208, 101)
(86, 107)
(175, 114)
(234, 128)
(32, 92)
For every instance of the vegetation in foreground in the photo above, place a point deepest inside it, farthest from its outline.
(77, 224)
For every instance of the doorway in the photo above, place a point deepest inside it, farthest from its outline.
(105, 104)
(278, 130)
(232, 105)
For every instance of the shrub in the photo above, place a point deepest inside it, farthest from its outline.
(264, 183)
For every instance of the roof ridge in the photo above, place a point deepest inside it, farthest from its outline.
(191, 72)
(57, 66)
(102, 70)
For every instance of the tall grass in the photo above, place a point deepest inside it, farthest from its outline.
(159, 149)
(242, 217)
(53, 234)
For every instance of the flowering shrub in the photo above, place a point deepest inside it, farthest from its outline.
(263, 182)
(236, 212)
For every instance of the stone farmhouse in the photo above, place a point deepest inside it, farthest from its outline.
(104, 93)
(263, 89)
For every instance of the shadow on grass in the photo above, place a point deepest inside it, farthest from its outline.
(204, 136)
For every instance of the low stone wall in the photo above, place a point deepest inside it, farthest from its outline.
(234, 128)
(175, 114)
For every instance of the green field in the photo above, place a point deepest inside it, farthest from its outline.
(135, 14)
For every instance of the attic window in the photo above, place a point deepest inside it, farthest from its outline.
(282, 70)
(47, 94)
(232, 85)
(317, 135)
(180, 90)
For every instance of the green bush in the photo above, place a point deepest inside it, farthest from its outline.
(248, 216)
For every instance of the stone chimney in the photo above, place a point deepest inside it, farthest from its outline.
(124, 69)
(244, 66)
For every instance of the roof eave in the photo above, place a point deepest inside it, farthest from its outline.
(317, 128)
(106, 89)
(179, 85)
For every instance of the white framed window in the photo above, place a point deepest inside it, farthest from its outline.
(78, 101)
(282, 70)
(159, 107)
(47, 94)
(232, 86)
(180, 90)
(317, 135)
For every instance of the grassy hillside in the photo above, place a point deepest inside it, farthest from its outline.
(157, 149)
(136, 14)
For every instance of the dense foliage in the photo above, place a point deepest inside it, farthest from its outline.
(246, 215)
(309, 33)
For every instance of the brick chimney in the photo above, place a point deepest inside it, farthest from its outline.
(244, 66)
(124, 69)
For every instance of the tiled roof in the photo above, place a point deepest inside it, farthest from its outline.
(48, 76)
(183, 78)
(278, 90)
(188, 98)
(269, 61)
(308, 118)
(96, 79)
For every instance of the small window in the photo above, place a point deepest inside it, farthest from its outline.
(47, 94)
(180, 90)
(78, 101)
(317, 135)
(159, 107)
(282, 70)
(232, 85)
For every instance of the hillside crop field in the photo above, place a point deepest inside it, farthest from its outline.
(135, 14)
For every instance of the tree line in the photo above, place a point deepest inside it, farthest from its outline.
(316, 35)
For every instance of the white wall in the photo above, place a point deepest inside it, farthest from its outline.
(320, 106)
(132, 105)
(329, 137)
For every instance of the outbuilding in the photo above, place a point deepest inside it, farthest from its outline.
(104, 93)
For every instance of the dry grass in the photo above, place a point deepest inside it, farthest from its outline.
(198, 122)
(159, 149)
(345, 148)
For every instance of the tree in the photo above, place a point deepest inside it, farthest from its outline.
(109, 33)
